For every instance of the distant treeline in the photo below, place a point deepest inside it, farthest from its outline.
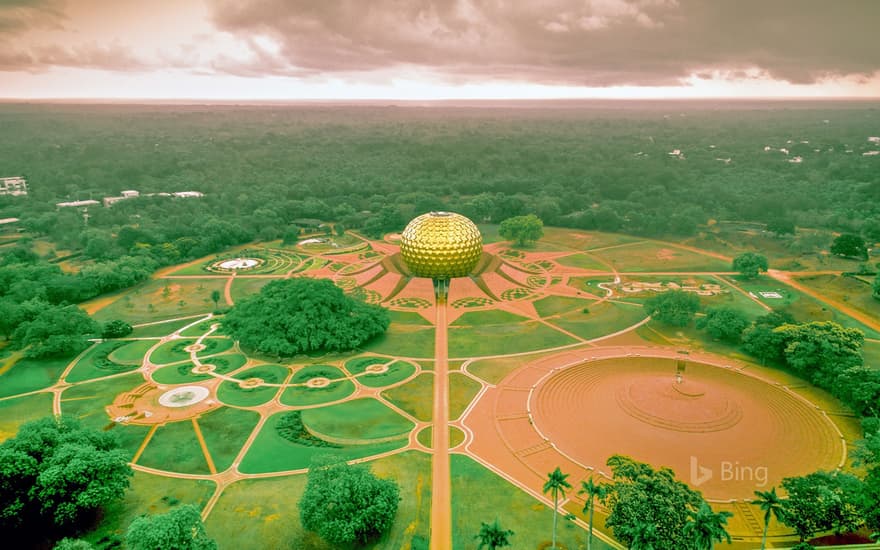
(374, 168)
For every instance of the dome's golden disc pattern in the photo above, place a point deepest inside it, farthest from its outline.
(441, 245)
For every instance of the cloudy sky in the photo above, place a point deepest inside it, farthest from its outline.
(438, 49)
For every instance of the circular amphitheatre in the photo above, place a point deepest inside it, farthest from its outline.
(722, 430)
(183, 396)
(238, 264)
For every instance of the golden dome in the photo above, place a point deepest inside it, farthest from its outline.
(441, 245)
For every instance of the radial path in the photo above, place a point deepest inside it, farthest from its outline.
(441, 503)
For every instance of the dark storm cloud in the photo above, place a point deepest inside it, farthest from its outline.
(112, 57)
(585, 42)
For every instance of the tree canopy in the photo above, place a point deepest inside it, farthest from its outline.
(674, 307)
(849, 245)
(820, 350)
(54, 331)
(875, 288)
(301, 315)
(750, 264)
(522, 229)
(724, 323)
(55, 472)
(179, 529)
(823, 500)
(347, 504)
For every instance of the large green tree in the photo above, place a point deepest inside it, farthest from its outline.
(771, 504)
(724, 323)
(301, 315)
(750, 264)
(591, 491)
(675, 307)
(849, 245)
(875, 288)
(55, 331)
(179, 529)
(705, 527)
(55, 472)
(493, 536)
(823, 500)
(347, 504)
(640, 494)
(760, 339)
(820, 350)
(522, 229)
(556, 484)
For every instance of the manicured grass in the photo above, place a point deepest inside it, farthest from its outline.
(404, 341)
(584, 240)
(250, 514)
(650, 256)
(174, 351)
(456, 437)
(31, 374)
(504, 339)
(494, 370)
(132, 353)
(359, 364)
(300, 396)
(855, 293)
(426, 436)
(272, 453)
(16, 411)
(407, 318)
(233, 394)
(313, 371)
(515, 509)
(462, 391)
(148, 494)
(225, 430)
(98, 361)
(604, 318)
(175, 447)
(161, 299)
(244, 288)
(160, 329)
(582, 261)
(414, 397)
(201, 328)
(87, 400)
(488, 317)
(359, 419)
(554, 305)
(871, 354)
(182, 374)
(397, 371)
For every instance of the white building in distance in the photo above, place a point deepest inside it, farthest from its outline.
(15, 186)
(77, 204)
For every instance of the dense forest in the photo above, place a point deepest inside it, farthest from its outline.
(657, 169)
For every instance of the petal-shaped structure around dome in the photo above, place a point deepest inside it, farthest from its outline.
(441, 245)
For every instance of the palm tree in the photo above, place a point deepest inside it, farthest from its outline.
(556, 482)
(704, 527)
(771, 504)
(591, 490)
(642, 535)
(493, 536)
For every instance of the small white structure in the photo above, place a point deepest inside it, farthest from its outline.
(870, 153)
(77, 204)
(189, 194)
(14, 186)
(238, 263)
(874, 139)
(796, 160)
(184, 396)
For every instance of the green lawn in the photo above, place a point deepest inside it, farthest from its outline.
(175, 447)
(487, 317)
(854, 292)
(315, 371)
(233, 394)
(415, 397)
(359, 364)
(171, 352)
(359, 419)
(87, 400)
(504, 339)
(16, 411)
(243, 288)
(225, 431)
(272, 453)
(182, 374)
(515, 509)
(649, 256)
(494, 370)
(32, 374)
(582, 261)
(300, 396)
(148, 494)
(554, 305)
(132, 353)
(250, 513)
(604, 318)
(462, 391)
(99, 360)
(160, 329)
(397, 371)
(407, 318)
(404, 341)
(201, 328)
(871, 353)
(162, 299)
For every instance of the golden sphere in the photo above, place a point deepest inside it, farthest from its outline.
(441, 245)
